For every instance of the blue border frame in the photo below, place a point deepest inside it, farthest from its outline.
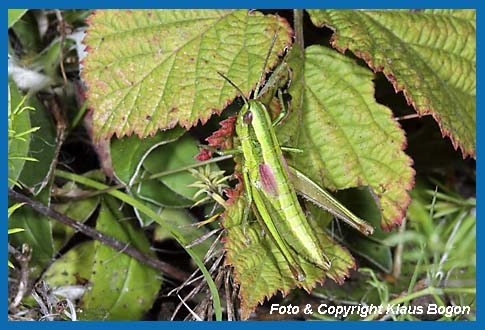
(384, 4)
(4, 324)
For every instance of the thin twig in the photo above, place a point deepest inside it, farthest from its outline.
(105, 239)
(45, 310)
(396, 269)
(194, 291)
(61, 126)
(191, 294)
(227, 291)
(235, 292)
(62, 32)
(23, 259)
(411, 116)
(191, 279)
(194, 315)
(212, 248)
(205, 308)
(201, 239)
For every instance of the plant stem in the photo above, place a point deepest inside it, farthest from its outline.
(105, 239)
(298, 24)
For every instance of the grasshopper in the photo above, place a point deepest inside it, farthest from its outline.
(268, 183)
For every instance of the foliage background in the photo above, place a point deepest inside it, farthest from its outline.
(430, 259)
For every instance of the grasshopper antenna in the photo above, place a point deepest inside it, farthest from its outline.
(258, 86)
(235, 86)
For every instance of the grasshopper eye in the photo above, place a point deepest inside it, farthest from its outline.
(248, 117)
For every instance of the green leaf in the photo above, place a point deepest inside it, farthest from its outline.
(143, 219)
(176, 233)
(377, 254)
(428, 54)
(348, 139)
(75, 264)
(17, 123)
(121, 288)
(260, 268)
(156, 192)
(37, 234)
(173, 156)
(14, 15)
(77, 209)
(152, 69)
(42, 147)
(183, 220)
(28, 35)
(128, 153)
(360, 201)
(76, 16)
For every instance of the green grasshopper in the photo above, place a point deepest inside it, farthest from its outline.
(268, 182)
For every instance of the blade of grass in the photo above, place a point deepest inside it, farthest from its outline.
(428, 291)
(157, 175)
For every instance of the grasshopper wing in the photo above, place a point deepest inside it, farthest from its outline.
(317, 195)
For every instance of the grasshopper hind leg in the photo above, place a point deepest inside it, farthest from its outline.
(249, 200)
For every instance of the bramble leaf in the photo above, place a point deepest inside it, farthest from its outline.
(260, 268)
(151, 69)
(428, 54)
(348, 139)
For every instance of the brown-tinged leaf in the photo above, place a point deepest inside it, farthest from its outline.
(151, 69)
(428, 54)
